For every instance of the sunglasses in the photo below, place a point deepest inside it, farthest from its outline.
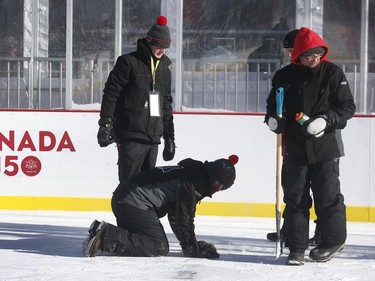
(313, 57)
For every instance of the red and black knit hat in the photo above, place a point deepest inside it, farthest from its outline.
(159, 34)
(222, 171)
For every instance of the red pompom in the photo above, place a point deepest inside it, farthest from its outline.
(161, 20)
(233, 159)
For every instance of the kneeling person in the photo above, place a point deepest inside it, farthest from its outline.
(171, 190)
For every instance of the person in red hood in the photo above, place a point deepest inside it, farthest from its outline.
(318, 90)
(309, 48)
(288, 45)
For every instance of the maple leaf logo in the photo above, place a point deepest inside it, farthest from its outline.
(31, 164)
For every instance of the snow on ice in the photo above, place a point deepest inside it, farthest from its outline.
(46, 245)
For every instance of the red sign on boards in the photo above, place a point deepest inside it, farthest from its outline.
(30, 165)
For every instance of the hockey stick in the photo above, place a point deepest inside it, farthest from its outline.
(279, 163)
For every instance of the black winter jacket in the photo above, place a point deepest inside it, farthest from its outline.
(313, 91)
(126, 97)
(172, 190)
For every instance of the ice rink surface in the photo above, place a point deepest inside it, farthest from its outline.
(46, 245)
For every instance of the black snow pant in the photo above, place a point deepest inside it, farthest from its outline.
(134, 157)
(323, 180)
(138, 233)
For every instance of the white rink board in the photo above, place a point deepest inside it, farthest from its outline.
(83, 169)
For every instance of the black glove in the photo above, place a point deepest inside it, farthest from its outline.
(207, 250)
(334, 120)
(276, 124)
(317, 125)
(105, 134)
(201, 249)
(169, 149)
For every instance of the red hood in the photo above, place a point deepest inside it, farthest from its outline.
(307, 39)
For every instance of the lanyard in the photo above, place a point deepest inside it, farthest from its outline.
(153, 70)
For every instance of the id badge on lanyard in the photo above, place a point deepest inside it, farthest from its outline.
(155, 109)
(154, 104)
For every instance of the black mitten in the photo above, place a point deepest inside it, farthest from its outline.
(276, 124)
(105, 134)
(169, 149)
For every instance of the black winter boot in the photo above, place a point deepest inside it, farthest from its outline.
(92, 229)
(95, 244)
(324, 254)
(295, 258)
(272, 236)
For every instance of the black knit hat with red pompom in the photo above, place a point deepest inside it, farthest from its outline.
(159, 34)
(222, 171)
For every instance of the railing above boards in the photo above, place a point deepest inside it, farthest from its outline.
(214, 83)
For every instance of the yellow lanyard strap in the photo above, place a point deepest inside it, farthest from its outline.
(153, 70)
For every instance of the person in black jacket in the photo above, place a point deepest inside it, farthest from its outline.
(150, 195)
(288, 45)
(319, 89)
(136, 109)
